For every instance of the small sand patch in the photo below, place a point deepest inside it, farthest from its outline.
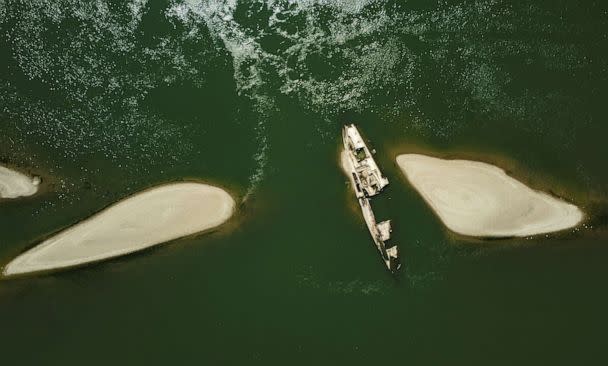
(14, 184)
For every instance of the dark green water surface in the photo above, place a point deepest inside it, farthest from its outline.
(105, 98)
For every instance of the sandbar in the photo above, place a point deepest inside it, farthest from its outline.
(478, 199)
(145, 219)
(14, 184)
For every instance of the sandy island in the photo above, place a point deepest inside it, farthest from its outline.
(479, 199)
(14, 184)
(148, 218)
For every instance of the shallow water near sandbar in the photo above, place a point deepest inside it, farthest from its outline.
(113, 97)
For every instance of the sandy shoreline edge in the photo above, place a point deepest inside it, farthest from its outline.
(478, 199)
(14, 184)
(148, 218)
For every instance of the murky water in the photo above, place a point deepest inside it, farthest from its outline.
(104, 98)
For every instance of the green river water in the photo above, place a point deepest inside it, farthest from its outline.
(105, 98)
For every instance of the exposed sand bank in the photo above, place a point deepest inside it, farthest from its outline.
(148, 218)
(14, 184)
(478, 199)
(346, 165)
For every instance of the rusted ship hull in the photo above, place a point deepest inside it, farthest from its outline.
(367, 181)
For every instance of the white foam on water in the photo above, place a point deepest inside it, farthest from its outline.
(247, 57)
(100, 72)
(256, 68)
(2, 11)
(137, 10)
(331, 56)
